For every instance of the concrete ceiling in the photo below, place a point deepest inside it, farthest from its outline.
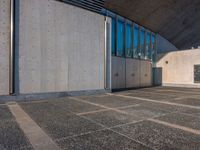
(176, 20)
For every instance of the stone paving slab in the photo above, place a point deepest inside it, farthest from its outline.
(188, 101)
(113, 101)
(36, 136)
(151, 109)
(101, 140)
(194, 112)
(182, 119)
(155, 96)
(5, 114)
(112, 118)
(11, 136)
(58, 122)
(107, 122)
(174, 93)
(160, 137)
(145, 111)
(75, 106)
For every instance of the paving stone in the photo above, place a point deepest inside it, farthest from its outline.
(5, 113)
(56, 117)
(182, 119)
(173, 93)
(144, 112)
(112, 118)
(75, 106)
(188, 101)
(195, 112)
(58, 122)
(152, 96)
(64, 127)
(11, 136)
(102, 140)
(43, 109)
(162, 107)
(113, 101)
(160, 137)
(150, 110)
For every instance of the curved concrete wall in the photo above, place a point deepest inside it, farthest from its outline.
(4, 46)
(61, 48)
(178, 67)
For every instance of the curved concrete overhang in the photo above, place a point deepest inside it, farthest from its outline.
(176, 20)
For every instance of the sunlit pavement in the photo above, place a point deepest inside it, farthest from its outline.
(149, 118)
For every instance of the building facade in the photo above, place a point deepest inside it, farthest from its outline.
(54, 46)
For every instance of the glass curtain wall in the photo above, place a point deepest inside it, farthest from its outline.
(131, 40)
(120, 38)
(153, 41)
(148, 45)
(129, 50)
(142, 43)
(136, 49)
(113, 36)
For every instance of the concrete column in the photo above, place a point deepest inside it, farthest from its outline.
(4, 46)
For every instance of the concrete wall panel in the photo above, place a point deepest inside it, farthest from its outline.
(118, 73)
(4, 46)
(146, 73)
(132, 73)
(178, 67)
(61, 48)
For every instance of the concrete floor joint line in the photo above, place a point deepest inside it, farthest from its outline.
(176, 91)
(99, 105)
(161, 102)
(105, 127)
(193, 131)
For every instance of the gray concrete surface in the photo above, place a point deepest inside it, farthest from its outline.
(145, 73)
(36, 136)
(61, 48)
(11, 137)
(118, 72)
(151, 118)
(4, 46)
(130, 73)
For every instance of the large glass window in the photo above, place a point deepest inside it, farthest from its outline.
(120, 38)
(153, 40)
(148, 45)
(142, 46)
(129, 40)
(113, 36)
(136, 50)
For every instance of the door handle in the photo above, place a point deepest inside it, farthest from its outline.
(132, 74)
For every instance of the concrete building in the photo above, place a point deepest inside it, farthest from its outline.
(61, 47)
